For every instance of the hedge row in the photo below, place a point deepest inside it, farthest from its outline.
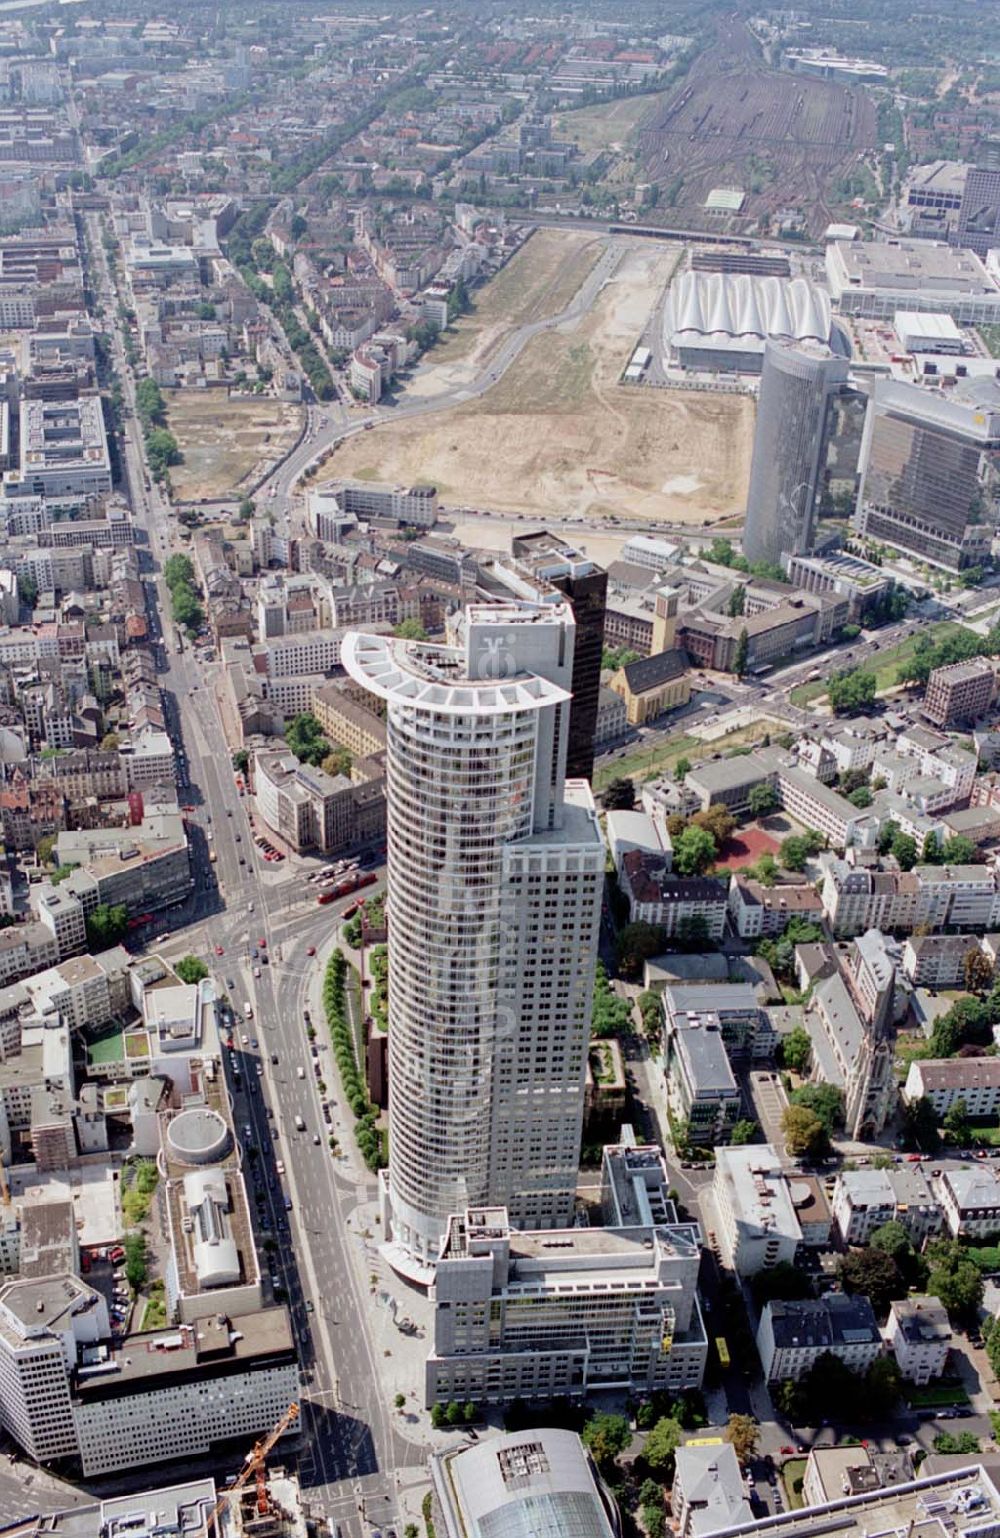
(335, 1004)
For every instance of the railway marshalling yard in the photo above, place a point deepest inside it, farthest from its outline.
(559, 434)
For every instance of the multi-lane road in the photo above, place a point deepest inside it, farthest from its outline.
(352, 1452)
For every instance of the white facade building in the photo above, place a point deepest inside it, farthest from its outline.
(68, 1392)
(919, 1336)
(758, 1226)
(970, 1201)
(864, 1200)
(973, 1080)
(792, 1336)
(708, 1493)
(564, 1312)
(496, 871)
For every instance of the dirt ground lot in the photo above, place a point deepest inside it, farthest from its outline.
(608, 125)
(558, 431)
(224, 440)
(783, 138)
(538, 281)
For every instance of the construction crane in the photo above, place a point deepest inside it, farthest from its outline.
(253, 1465)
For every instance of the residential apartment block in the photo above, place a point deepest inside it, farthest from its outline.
(943, 1081)
(791, 1337)
(864, 1200)
(935, 897)
(970, 1200)
(919, 1336)
(708, 1492)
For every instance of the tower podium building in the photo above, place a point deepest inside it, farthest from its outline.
(495, 881)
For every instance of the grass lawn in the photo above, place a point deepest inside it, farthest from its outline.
(987, 1135)
(930, 1395)
(886, 668)
(909, 1049)
(615, 122)
(804, 694)
(890, 662)
(792, 1475)
(647, 763)
(107, 1049)
(154, 1315)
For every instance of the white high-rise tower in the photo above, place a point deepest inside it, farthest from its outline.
(496, 870)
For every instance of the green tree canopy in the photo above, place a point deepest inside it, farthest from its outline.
(956, 1122)
(106, 926)
(410, 630)
(636, 943)
(305, 739)
(191, 969)
(742, 1432)
(619, 796)
(955, 1279)
(694, 851)
(850, 692)
(825, 1100)
(796, 1049)
(874, 1274)
(337, 761)
(805, 1134)
(661, 1447)
(783, 1283)
(762, 799)
(904, 848)
(797, 848)
(606, 1436)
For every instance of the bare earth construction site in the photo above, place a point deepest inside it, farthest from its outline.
(558, 433)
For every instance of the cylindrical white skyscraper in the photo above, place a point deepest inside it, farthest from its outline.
(495, 878)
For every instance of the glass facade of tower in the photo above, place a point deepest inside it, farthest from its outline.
(928, 476)
(791, 439)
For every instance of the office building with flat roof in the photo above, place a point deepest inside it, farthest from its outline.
(959, 693)
(977, 227)
(496, 875)
(69, 1391)
(64, 451)
(702, 1091)
(875, 279)
(758, 1224)
(958, 1503)
(929, 466)
(544, 1314)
